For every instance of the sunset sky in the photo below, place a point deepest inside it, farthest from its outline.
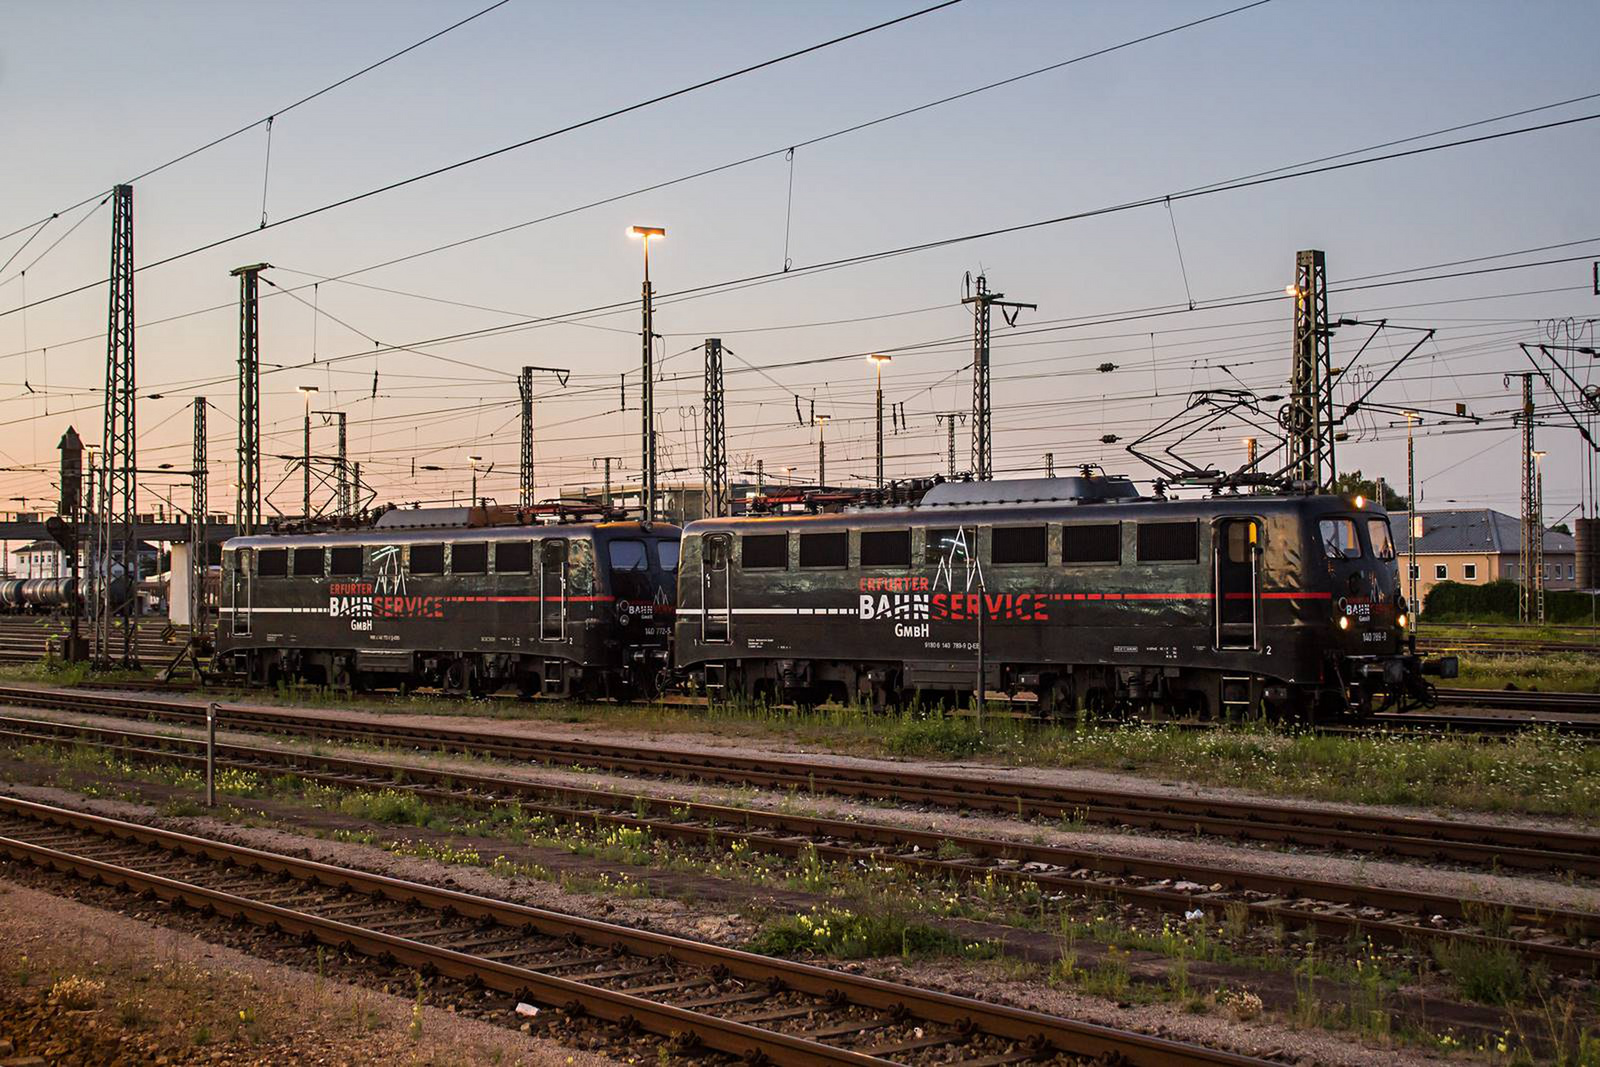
(95, 93)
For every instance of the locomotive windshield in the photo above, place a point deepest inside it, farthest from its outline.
(667, 553)
(1382, 542)
(1339, 540)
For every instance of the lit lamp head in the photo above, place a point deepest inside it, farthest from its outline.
(879, 358)
(646, 232)
(307, 390)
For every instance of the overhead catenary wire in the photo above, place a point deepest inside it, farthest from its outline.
(247, 127)
(480, 157)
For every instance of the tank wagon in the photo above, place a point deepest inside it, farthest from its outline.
(466, 599)
(1077, 590)
(42, 595)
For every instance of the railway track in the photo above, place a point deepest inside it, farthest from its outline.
(695, 995)
(1435, 840)
(1519, 700)
(1562, 940)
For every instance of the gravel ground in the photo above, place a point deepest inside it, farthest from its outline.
(706, 920)
(1517, 888)
(167, 997)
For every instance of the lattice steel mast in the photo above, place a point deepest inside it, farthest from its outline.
(198, 551)
(1531, 590)
(247, 507)
(1309, 417)
(715, 462)
(525, 453)
(982, 300)
(118, 503)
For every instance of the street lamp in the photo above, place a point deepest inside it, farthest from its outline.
(306, 391)
(474, 460)
(877, 359)
(647, 446)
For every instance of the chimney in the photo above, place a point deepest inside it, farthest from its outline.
(1416, 527)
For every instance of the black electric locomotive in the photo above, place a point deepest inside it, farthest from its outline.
(465, 599)
(1075, 589)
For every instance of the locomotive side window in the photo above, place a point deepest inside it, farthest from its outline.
(957, 546)
(764, 552)
(886, 548)
(469, 559)
(427, 559)
(825, 549)
(1169, 542)
(628, 555)
(344, 562)
(308, 563)
(513, 557)
(272, 562)
(1339, 540)
(1382, 542)
(1100, 543)
(667, 555)
(1017, 544)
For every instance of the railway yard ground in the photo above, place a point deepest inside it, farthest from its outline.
(443, 881)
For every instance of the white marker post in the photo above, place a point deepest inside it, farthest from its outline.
(211, 754)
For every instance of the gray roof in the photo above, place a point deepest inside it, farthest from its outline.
(1470, 530)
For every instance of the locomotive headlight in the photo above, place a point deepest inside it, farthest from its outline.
(1401, 619)
(1344, 622)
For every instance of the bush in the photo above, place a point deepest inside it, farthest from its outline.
(1498, 601)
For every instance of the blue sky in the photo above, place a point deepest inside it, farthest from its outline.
(92, 93)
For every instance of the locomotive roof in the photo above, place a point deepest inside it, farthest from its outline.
(434, 534)
(1149, 508)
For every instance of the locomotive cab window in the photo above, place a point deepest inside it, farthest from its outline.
(1017, 544)
(886, 548)
(764, 552)
(1339, 540)
(272, 562)
(1169, 542)
(427, 559)
(959, 545)
(628, 555)
(667, 555)
(345, 561)
(1382, 542)
(308, 563)
(513, 557)
(825, 549)
(1099, 543)
(469, 559)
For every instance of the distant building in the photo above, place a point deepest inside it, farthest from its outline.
(1475, 546)
(44, 559)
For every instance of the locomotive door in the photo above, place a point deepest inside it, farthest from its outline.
(1237, 552)
(715, 616)
(239, 592)
(552, 589)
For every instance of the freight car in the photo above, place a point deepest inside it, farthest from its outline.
(465, 599)
(1077, 590)
(43, 595)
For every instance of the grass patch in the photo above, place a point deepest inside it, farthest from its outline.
(1565, 672)
(843, 934)
(1489, 975)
